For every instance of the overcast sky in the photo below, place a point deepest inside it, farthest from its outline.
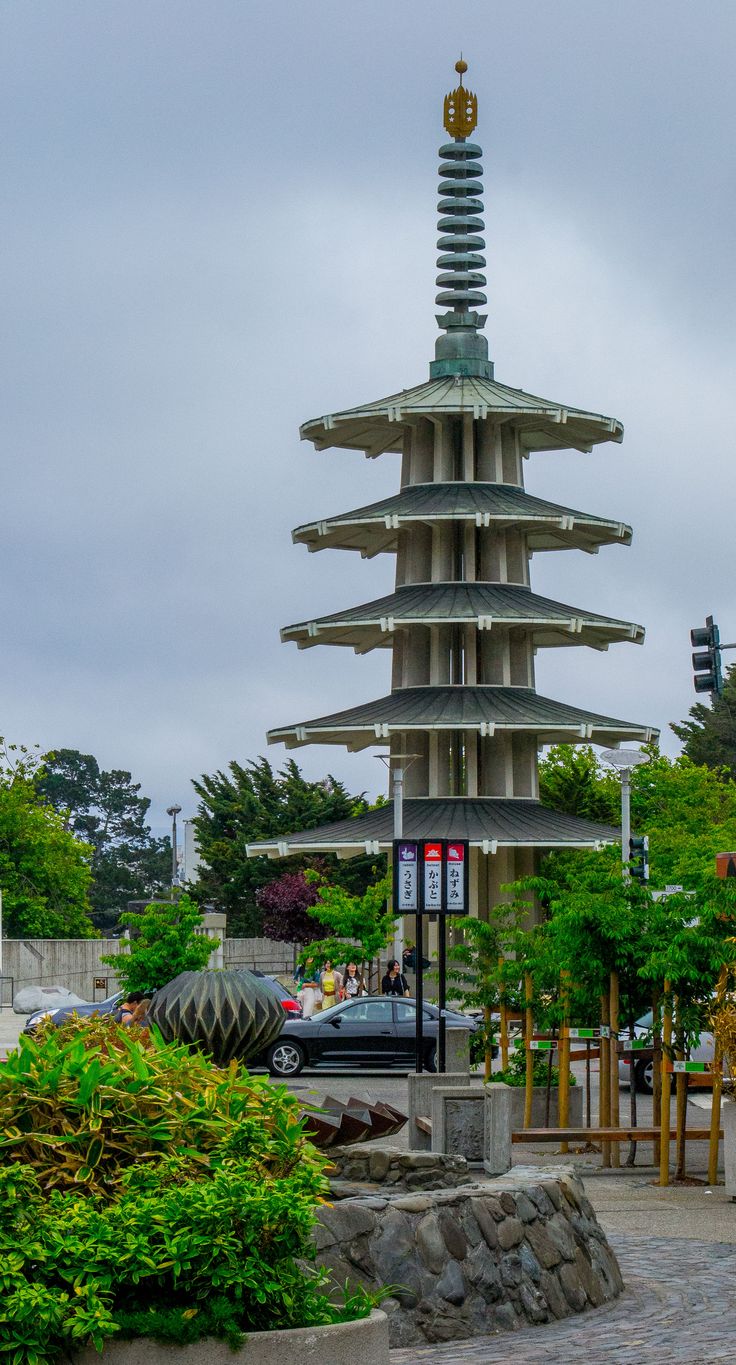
(218, 221)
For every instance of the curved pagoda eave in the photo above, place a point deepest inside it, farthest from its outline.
(542, 423)
(486, 710)
(486, 822)
(375, 529)
(485, 605)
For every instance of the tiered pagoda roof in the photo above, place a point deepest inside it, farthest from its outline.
(488, 825)
(542, 423)
(483, 709)
(484, 605)
(375, 529)
(462, 622)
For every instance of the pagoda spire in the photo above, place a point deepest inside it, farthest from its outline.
(461, 350)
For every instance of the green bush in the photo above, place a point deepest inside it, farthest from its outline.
(83, 1102)
(515, 1072)
(206, 1232)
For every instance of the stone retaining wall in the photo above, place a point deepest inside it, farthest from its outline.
(487, 1257)
(366, 1169)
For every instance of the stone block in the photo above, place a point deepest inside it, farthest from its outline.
(457, 1050)
(421, 1084)
(458, 1121)
(498, 1101)
(539, 1104)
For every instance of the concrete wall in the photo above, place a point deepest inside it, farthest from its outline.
(75, 963)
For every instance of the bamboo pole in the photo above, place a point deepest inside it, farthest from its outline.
(504, 1013)
(563, 1100)
(604, 1067)
(656, 1071)
(681, 1081)
(528, 1031)
(615, 1091)
(715, 1113)
(664, 1118)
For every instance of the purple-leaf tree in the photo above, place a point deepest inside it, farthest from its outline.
(284, 904)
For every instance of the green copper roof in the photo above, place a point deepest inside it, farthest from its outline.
(371, 625)
(543, 423)
(485, 709)
(547, 525)
(488, 823)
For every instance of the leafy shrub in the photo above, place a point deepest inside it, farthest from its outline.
(515, 1072)
(82, 1102)
(144, 1192)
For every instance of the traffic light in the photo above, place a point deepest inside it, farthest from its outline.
(639, 858)
(707, 663)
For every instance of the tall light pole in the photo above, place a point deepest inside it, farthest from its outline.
(397, 765)
(624, 760)
(173, 811)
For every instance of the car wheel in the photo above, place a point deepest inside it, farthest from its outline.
(431, 1059)
(285, 1058)
(644, 1076)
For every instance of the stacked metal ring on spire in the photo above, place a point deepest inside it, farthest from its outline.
(459, 207)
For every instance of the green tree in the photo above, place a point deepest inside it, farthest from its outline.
(479, 967)
(165, 943)
(709, 736)
(573, 780)
(44, 870)
(253, 802)
(108, 812)
(362, 926)
(688, 810)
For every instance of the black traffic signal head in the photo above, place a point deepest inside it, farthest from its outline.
(707, 662)
(639, 858)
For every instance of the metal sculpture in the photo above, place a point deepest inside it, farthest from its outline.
(337, 1124)
(229, 1014)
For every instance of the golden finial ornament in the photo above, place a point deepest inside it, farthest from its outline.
(461, 107)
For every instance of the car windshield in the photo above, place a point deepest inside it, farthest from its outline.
(329, 1013)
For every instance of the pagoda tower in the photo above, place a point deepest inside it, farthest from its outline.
(463, 624)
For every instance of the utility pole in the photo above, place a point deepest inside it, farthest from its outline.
(173, 811)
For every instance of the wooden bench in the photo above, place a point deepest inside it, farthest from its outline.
(605, 1134)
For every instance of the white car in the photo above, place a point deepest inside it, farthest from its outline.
(642, 1067)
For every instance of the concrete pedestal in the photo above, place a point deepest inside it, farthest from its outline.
(421, 1085)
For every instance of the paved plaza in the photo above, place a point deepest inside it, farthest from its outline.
(676, 1308)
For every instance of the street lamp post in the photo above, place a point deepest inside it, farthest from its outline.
(624, 760)
(404, 761)
(173, 811)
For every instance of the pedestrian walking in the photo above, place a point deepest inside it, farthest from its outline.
(353, 982)
(394, 982)
(330, 983)
(308, 990)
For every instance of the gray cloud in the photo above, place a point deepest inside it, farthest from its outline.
(219, 221)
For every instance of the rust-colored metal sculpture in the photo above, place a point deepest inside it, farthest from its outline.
(335, 1123)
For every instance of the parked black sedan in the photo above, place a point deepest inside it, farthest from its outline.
(374, 1031)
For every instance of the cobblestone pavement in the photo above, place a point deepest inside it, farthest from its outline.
(677, 1307)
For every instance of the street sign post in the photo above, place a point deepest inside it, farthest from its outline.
(430, 877)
